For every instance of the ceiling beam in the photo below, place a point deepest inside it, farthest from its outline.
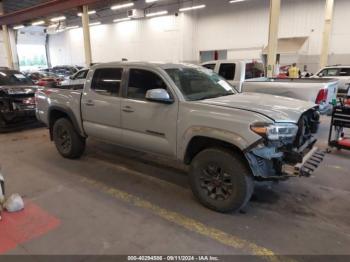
(44, 9)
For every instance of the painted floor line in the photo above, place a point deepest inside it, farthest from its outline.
(188, 223)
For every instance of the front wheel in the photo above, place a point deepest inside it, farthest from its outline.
(68, 142)
(220, 180)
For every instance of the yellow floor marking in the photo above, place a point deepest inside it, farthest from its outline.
(188, 223)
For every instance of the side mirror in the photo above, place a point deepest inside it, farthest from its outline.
(320, 75)
(159, 95)
(71, 77)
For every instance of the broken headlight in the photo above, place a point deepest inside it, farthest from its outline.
(275, 131)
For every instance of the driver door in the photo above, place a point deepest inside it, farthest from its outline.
(146, 125)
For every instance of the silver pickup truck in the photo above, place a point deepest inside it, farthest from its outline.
(248, 77)
(190, 114)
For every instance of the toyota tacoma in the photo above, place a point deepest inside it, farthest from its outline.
(228, 139)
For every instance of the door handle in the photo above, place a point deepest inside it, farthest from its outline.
(89, 103)
(128, 109)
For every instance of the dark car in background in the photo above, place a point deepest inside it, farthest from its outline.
(17, 102)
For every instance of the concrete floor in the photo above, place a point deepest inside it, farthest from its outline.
(114, 201)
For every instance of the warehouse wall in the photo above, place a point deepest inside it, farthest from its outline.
(241, 29)
(152, 39)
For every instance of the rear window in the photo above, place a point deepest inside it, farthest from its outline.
(12, 77)
(254, 70)
(227, 71)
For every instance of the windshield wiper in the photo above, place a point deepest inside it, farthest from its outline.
(214, 96)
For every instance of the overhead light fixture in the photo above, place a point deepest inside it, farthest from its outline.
(72, 27)
(236, 1)
(192, 8)
(41, 22)
(116, 7)
(18, 27)
(94, 23)
(57, 19)
(151, 1)
(121, 19)
(92, 12)
(157, 13)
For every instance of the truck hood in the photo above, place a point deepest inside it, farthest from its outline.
(277, 108)
(18, 90)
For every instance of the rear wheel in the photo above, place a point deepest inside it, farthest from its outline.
(220, 180)
(68, 142)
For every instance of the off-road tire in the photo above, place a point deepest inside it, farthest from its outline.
(234, 172)
(68, 142)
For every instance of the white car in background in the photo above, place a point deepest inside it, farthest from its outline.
(77, 79)
(342, 73)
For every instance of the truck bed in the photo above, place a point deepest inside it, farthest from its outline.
(50, 97)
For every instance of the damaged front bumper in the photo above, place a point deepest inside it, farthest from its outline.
(270, 163)
(309, 164)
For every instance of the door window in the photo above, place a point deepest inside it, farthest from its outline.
(227, 71)
(140, 81)
(330, 72)
(345, 72)
(210, 66)
(107, 81)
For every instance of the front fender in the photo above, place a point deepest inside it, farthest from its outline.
(214, 133)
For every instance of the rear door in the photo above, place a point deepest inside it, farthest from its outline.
(148, 126)
(101, 104)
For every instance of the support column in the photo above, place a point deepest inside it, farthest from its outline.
(86, 32)
(275, 8)
(327, 32)
(6, 38)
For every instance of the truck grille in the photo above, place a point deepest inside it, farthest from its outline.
(308, 125)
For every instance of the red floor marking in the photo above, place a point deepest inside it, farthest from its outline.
(20, 227)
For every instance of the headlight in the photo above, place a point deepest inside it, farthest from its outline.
(275, 131)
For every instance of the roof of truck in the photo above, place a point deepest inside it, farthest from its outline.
(162, 65)
(338, 66)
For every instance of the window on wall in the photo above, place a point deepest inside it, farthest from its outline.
(31, 57)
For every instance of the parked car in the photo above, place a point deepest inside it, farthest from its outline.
(44, 79)
(191, 114)
(244, 76)
(77, 79)
(342, 73)
(16, 98)
(63, 71)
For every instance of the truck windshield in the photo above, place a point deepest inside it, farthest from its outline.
(200, 83)
(11, 78)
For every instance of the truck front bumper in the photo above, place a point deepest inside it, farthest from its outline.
(307, 167)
